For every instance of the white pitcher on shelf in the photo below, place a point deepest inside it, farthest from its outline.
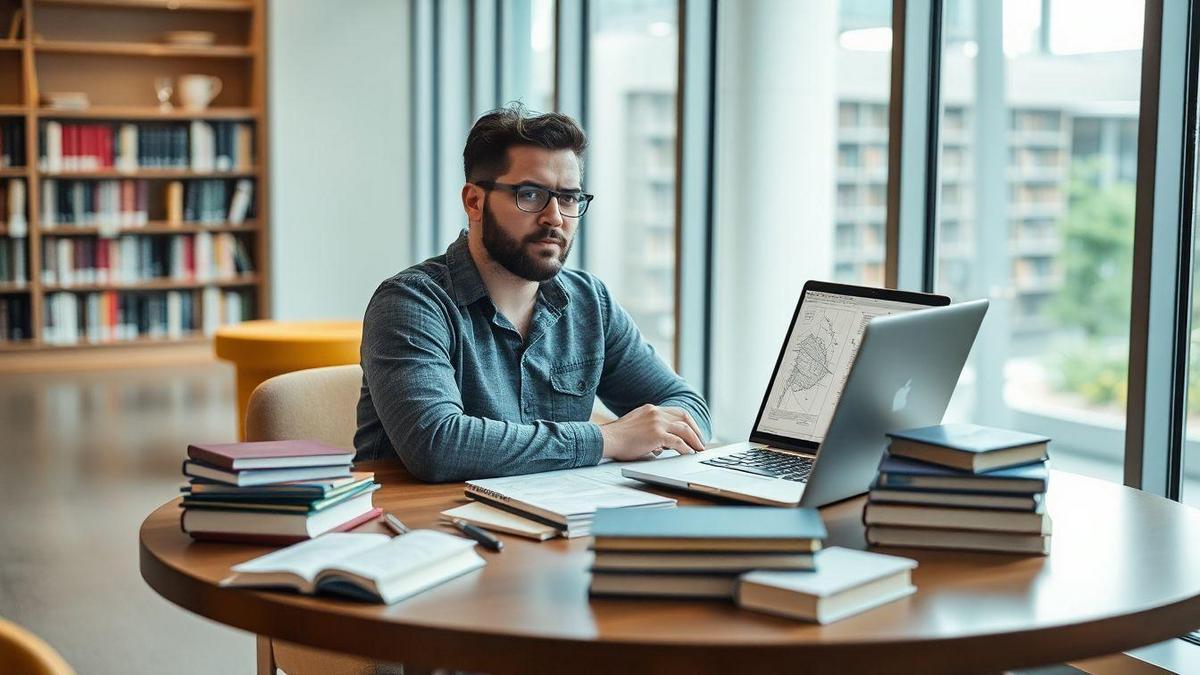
(197, 91)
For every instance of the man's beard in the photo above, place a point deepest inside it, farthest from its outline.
(511, 254)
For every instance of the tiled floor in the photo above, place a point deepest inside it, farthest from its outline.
(84, 457)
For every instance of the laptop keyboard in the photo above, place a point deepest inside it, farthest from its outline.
(766, 463)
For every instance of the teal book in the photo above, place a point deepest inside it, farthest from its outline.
(969, 447)
(709, 528)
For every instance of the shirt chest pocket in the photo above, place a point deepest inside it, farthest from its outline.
(574, 389)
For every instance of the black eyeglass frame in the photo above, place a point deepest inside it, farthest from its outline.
(585, 198)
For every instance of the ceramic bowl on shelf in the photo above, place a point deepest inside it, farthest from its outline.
(190, 38)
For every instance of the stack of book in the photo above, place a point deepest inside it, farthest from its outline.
(273, 492)
(961, 486)
(698, 552)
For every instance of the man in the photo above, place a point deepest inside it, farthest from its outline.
(486, 360)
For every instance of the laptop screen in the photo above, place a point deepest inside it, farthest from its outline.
(821, 345)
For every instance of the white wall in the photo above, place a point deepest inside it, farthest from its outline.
(339, 135)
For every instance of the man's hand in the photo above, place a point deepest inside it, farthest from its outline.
(643, 432)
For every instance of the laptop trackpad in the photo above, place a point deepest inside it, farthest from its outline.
(726, 479)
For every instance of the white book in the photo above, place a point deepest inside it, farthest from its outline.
(203, 256)
(233, 307)
(53, 156)
(66, 262)
(92, 308)
(211, 310)
(179, 269)
(18, 225)
(366, 566)
(846, 583)
(49, 204)
(127, 149)
(241, 201)
(283, 524)
(174, 314)
(202, 146)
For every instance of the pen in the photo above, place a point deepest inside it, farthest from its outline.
(486, 540)
(394, 523)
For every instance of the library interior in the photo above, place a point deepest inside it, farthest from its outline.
(629, 336)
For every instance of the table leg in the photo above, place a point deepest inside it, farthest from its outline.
(266, 656)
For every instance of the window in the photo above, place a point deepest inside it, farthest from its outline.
(801, 176)
(1046, 122)
(527, 43)
(630, 119)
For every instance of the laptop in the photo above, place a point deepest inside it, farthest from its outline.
(856, 363)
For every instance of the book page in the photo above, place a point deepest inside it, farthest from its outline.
(308, 558)
(403, 555)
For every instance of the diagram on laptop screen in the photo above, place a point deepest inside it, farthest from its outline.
(820, 350)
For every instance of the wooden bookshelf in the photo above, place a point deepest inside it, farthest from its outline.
(113, 50)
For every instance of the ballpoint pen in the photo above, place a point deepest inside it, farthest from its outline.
(394, 523)
(486, 540)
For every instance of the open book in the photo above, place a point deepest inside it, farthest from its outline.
(372, 567)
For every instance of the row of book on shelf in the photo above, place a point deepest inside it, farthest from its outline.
(198, 257)
(114, 204)
(111, 316)
(948, 486)
(111, 205)
(12, 143)
(197, 145)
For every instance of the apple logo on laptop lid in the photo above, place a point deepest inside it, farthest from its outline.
(901, 398)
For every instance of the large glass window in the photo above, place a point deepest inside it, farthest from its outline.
(1038, 163)
(527, 42)
(631, 92)
(801, 176)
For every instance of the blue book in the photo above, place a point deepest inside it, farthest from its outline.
(708, 528)
(905, 474)
(969, 447)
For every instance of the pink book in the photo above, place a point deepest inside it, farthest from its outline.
(269, 454)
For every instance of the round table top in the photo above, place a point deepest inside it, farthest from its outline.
(1124, 571)
(271, 344)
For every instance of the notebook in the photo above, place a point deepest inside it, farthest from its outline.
(497, 520)
(370, 567)
(563, 499)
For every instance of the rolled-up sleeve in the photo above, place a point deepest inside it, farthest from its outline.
(633, 373)
(407, 348)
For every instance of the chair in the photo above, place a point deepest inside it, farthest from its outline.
(24, 652)
(315, 404)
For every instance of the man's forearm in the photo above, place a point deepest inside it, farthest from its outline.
(460, 447)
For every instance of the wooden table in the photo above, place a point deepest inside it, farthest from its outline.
(1124, 571)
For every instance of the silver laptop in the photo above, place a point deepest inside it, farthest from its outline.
(857, 363)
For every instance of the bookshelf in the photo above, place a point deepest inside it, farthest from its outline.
(108, 259)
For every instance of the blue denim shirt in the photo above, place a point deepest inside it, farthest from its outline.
(449, 386)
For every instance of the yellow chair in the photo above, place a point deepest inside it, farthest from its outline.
(263, 349)
(25, 653)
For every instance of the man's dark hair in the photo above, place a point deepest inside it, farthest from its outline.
(486, 154)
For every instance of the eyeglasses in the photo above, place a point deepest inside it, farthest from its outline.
(534, 198)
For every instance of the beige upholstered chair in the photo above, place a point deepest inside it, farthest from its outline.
(316, 404)
(24, 652)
